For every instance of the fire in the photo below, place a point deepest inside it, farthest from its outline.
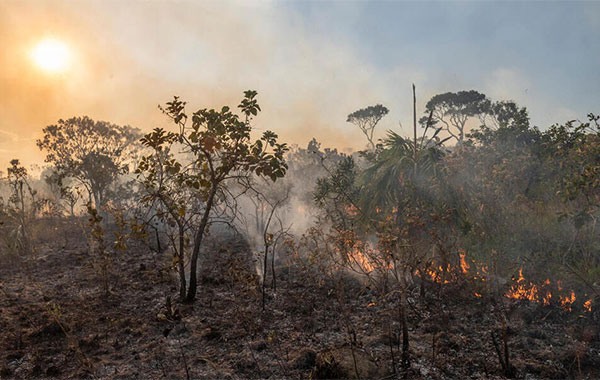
(351, 210)
(435, 275)
(464, 266)
(546, 299)
(523, 290)
(363, 261)
(566, 302)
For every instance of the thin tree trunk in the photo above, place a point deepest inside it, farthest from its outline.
(274, 281)
(191, 295)
(405, 344)
(180, 261)
(25, 242)
(157, 235)
(264, 279)
(414, 124)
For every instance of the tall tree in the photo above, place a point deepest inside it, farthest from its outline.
(504, 113)
(221, 150)
(94, 153)
(452, 110)
(366, 120)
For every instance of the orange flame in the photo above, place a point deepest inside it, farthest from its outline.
(351, 210)
(464, 266)
(522, 290)
(363, 261)
(567, 301)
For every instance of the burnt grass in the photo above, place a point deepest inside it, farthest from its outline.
(56, 322)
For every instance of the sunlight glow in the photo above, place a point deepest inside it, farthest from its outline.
(51, 55)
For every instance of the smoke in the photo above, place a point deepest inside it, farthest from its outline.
(128, 57)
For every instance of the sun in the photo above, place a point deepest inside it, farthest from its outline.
(51, 55)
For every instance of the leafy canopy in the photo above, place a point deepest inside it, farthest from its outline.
(93, 152)
(366, 120)
(220, 144)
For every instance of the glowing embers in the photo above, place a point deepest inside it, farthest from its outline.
(351, 210)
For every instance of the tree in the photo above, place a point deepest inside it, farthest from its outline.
(221, 150)
(266, 222)
(576, 151)
(337, 194)
(60, 190)
(504, 113)
(452, 110)
(93, 153)
(366, 119)
(23, 198)
(170, 203)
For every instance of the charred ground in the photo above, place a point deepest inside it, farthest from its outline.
(57, 323)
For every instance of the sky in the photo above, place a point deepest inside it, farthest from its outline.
(312, 62)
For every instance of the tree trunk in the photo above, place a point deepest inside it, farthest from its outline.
(191, 295)
(24, 232)
(264, 279)
(180, 261)
(405, 345)
(273, 279)
(157, 235)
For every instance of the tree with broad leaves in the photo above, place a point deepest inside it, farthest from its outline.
(171, 204)
(93, 153)
(221, 150)
(366, 120)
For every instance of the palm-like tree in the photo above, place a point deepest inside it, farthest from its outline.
(398, 175)
(402, 167)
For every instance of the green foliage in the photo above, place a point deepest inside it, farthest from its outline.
(337, 194)
(577, 151)
(510, 197)
(451, 111)
(396, 173)
(219, 149)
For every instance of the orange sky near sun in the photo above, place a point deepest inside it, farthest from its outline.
(128, 57)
